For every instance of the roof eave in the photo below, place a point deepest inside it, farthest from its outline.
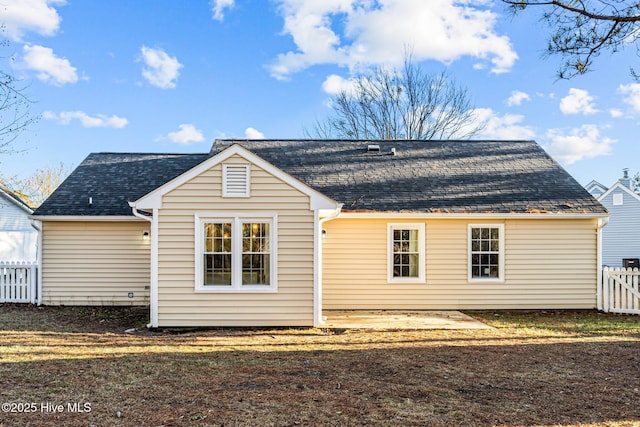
(84, 218)
(478, 215)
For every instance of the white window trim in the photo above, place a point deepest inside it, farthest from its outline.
(247, 169)
(421, 249)
(500, 278)
(618, 199)
(236, 251)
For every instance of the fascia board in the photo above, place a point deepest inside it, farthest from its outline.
(619, 186)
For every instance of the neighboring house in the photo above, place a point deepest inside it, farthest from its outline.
(18, 238)
(621, 236)
(273, 232)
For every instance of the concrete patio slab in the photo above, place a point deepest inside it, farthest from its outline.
(391, 319)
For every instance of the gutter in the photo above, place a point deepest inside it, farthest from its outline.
(37, 224)
(153, 285)
(318, 319)
(602, 222)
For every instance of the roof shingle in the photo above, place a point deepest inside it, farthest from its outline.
(423, 176)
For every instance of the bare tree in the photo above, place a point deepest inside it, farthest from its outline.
(400, 104)
(15, 106)
(39, 185)
(582, 30)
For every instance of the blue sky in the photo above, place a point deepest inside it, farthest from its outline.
(172, 76)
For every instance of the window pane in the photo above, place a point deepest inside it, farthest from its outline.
(217, 269)
(255, 269)
(494, 233)
(406, 253)
(413, 243)
(413, 266)
(493, 271)
(485, 252)
(255, 254)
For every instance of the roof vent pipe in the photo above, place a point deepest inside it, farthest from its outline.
(90, 201)
(373, 147)
(393, 151)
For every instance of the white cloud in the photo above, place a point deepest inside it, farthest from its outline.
(50, 68)
(251, 133)
(218, 7)
(616, 113)
(186, 135)
(160, 70)
(517, 97)
(38, 16)
(100, 120)
(580, 143)
(632, 95)
(335, 84)
(379, 32)
(578, 101)
(507, 126)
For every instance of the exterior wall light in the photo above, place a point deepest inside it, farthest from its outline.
(145, 235)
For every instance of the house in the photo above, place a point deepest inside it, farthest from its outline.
(273, 232)
(18, 238)
(621, 236)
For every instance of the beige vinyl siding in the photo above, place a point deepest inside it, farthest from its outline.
(178, 302)
(95, 263)
(548, 264)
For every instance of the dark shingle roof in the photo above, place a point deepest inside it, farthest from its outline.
(114, 179)
(423, 176)
(429, 176)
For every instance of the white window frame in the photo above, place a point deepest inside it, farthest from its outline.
(236, 220)
(247, 169)
(391, 227)
(500, 278)
(618, 199)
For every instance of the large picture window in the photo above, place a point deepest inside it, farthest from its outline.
(406, 253)
(486, 253)
(235, 254)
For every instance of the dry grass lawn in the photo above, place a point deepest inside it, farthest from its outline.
(550, 368)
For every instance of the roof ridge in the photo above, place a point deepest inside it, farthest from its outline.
(148, 153)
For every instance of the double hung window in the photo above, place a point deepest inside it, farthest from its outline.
(406, 253)
(236, 253)
(486, 252)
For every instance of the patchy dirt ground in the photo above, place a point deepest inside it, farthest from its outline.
(77, 367)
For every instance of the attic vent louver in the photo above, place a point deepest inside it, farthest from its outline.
(373, 147)
(235, 180)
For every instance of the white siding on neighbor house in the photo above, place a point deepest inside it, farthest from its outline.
(178, 302)
(18, 239)
(548, 264)
(95, 263)
(621, 236)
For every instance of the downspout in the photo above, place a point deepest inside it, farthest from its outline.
(317, 293)
(602, 222)
(153, 288)
(37, 224)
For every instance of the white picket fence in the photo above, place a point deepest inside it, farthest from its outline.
(18, 282)
(619, 291)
